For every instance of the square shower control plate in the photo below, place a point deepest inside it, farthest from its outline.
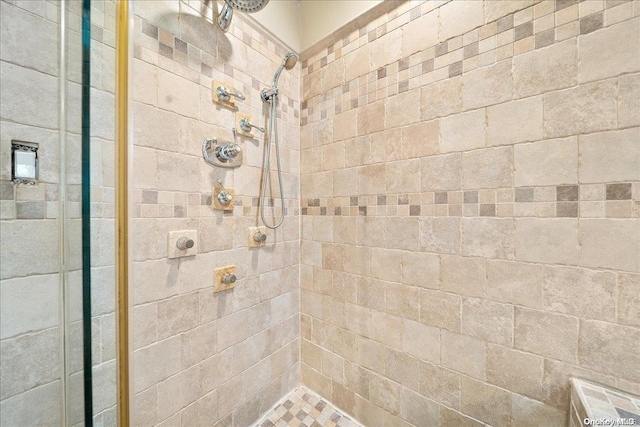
(231, 103)
(174, 239)
(219, 278)
(253, 231)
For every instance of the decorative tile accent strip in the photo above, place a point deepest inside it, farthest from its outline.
(592, 401)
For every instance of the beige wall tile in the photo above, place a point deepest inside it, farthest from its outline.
(629, 299)
(464, 131)
(441, 172)
(421, 341)
(371, 118)
(515, 121)
(403, 176)
(440, 235)
(421, 33)
(403, 300)
(487, 86)
(401, 109)
(488, 237)
(486, 403)
(385, 328)
(177, 94)
(420, 269)
(465, 276)
(463, 354)
(420, 139)
(610, 156)
(610, 243)
(357, 63)
(546, 334)
(628, 100)
(344, 125)
(441, 98)
(345, 182)
(515, 371)
(459, 17)
(402, 232)
(529, 413)
(552, 241)
(333, 74)
(488, 168)
(603, 347)
(587, 108)
(417, 410)
(550, 162)
(386, 49)
(487, 320)
(450, 417)
(386, 264)
(384, 146)
(565, 289)
(515, 283)
(440, 309)
(495, 9)
(385, 393)
(439, 384)
(609, 52)
(542, 70)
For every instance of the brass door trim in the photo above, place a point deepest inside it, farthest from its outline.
(123, 26)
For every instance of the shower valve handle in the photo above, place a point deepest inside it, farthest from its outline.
(246, 125)
(225, 95)
(223, 196)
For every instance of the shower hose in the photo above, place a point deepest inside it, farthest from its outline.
(266, 172)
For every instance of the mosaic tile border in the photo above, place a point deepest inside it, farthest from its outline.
(534, 27)
(589, 400)
(563, 201)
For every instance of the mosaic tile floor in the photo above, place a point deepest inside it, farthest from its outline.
(302, 408)
(597, 402)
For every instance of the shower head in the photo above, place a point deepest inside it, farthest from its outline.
(249, 6)
(289, 61)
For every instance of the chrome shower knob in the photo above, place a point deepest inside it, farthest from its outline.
(259, 237)
(184, 243)
(224, 197)
(228, 278)
(224, 94)
(246, 125)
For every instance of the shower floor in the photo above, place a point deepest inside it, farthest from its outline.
(303, 408)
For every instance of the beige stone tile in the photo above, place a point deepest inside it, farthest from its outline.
(439, 384)
(345, 181)
(587, 108)
(542, 70)
(27, 248)
(385, 393)
(371, 179)
(610, 243)
(628, 100)
(402, 232)
(421, 341)
(371, 118)
(546, 334)
(418, 410)
(488, 168)
(177, 94)
(550, 162)
(441, 98)
(333, 74)
(440, 309)
(565, 289)
(403, 300)
(609, 52)
(515, 371)
(39, 405)
(495, 9)
(604, 347)
(463, 354)
(420, 139)
(487, 86)
(384, 146)
(515, 283)
(629, 299)
(420, 269)
(385, 328)
(371, 231)
(449, 417)
(401, 109)
(487, 320)
(403, 176)
(485, 402)
(386, 49)
(420, 34)
(457, 18)
(531, 413)
(323, 132)
(345, 125)
(515, 121)
(156, 362)
(181, 384)
(552, 241)
(386, 264)
(610, 156)
(465, 276)
(488, 237)
(357, 63)
(312, 85)
(441, 172)
(462, 132)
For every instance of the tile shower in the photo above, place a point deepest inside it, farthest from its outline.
(462, 230)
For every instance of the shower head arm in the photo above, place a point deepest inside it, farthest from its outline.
(276, 76)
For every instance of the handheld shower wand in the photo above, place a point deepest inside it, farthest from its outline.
(271, 95)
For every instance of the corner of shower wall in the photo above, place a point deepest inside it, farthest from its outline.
(240, 348)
